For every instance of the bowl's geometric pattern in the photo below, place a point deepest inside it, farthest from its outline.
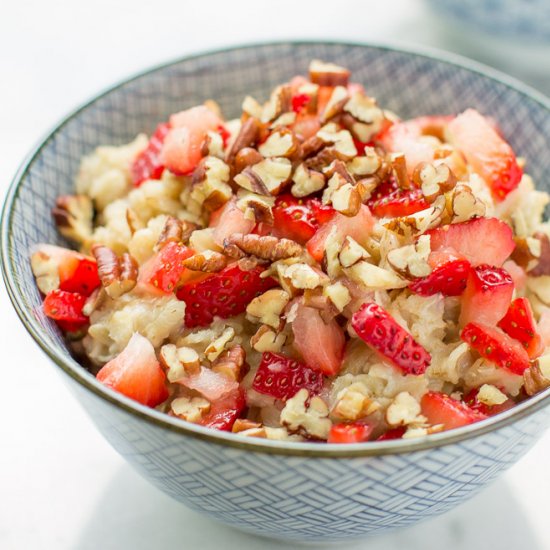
(517, 19)
(282, 496)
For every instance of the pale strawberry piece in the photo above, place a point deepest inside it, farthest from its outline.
(486, 151)
(209, 384)
(320, 344)
(487, 296)
(181, 150)
(439, 408)
(136, 373)
(517, 273)
(229, 221)
(481, 241)
(543, 326)
(225, 410)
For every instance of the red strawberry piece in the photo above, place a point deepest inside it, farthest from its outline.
(293, 219)
(519, 323)
(398, 203)
(83, 280)
(496, 346)
(395, 433)
(224, 411)
(486, 152)
(439, 408)
(148, 164)
(136, 373)
(164, 270)
(224, 134)
(481, 241)
(353, 432)
(471, 399)
(322, 213)
(487, 296)
(223, 294)
(380, 330)
(282, 377)
(449, 279)
(299, 102)
(66, 309)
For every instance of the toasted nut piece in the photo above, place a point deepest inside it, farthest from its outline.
(215, 348)
(244, 158)
(73, 215)
(94, 301)
(311, 90)
(243, 424)
(312, 146)
(284, 120)
(367, 165)
(491, 395)
(433, 180)
(465, 204)
(46, 271)
(266, 177)
(346, 199)
(341, 139)
(337, 167)
(543, 265)
(174, 230)
(328, 74)
(533, 379)
(134, 223)
(352, 252)
(251, 107)
(322, 159)
(203, 239)
(316, 299)
(210, 187)
(540, 287)
(247, 137)
(399, 169)
(374, 277)
(366, 187)
(257, 208)
(232, 363)
(268, 307)
(352, 405)
(117, 275)
(179, 362)
(309, 420)
(279, 103)
(212, 146)
(527, 253)
(306, 181)
(207, 261)
(419, 223)
(331, 261)
(280, 143)
(191, 409)
(338, 294)
(303, 276)
(403, 410)
(365, 110)
(411, 261)
(265, 248)
(335, 104)
(266, 339)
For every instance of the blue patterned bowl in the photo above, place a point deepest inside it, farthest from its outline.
(295, 491)
(525, 20)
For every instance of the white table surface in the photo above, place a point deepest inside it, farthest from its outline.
(61, 485)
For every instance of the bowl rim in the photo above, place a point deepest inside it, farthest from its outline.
(308, 449)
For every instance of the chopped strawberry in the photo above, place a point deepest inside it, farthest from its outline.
(448, 277)
(358, 227)
(352, 432)
(380, 330)
(519, 323)
(320, 344)
(228, 221)
(66, 309)
(395, 433)
(297, 219)
(282, 377)
(398, 203)
(496, 346)
(306, 125)
(210, 384)
(481, 241)
(224, 411)
(439, 408)
(299, 102)
(164, 270)
(543, 326)
(486, 152)
(518, 274)
(224, 134)
(181, 151)
(136, 373)
(223, 294)
(148, 165)
(487, 296)
(471, 399)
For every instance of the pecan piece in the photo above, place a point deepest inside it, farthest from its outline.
(328, 74)
(543, 266)
(335, 104)
(306, 181)
(207, 261)
(533, 379)
(267, 339)
(433, 180)
(399, 169)
(174, 230)
(280, 143)
(247, 137)
(266, 247)
(244, 158)
(527, 253)
(179, 362)
(73, 215)
(232, 363)
(267, 177)
(117, 275)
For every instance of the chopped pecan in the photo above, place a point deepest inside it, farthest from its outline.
(174, 230)
(280, 102)
(543, 265)
(212, 145)
(94, 301)
(243, 424)
(117, 275)
(73, 215)
(268, 177)
(420, 222)
(306, 181)
(280, 143)
(351, 252)
(366, 117)
(533, 379)
(210, 183)
(312, 146)
(268, 307)
(465, 205)
(267, 339)
(207, 261)
(433, 180)
(335, 104)
(368, 164)
(179, 362)
(341, 140)
(263, 247)
(191, 409)
(399, 169)
(247, 137)
(328, 74)
(527, 253)
(411, 261)
(134, 223)
(316, 299)
(232, 363)
(244, 158)
(322, 159)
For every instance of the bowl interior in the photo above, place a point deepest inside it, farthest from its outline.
(407, 83)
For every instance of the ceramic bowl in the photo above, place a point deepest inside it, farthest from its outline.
(295, 491)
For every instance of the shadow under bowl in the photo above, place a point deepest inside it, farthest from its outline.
(295, 491)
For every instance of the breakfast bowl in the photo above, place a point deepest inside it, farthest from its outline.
(298, 491)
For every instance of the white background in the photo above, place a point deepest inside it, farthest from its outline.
(61, 485)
